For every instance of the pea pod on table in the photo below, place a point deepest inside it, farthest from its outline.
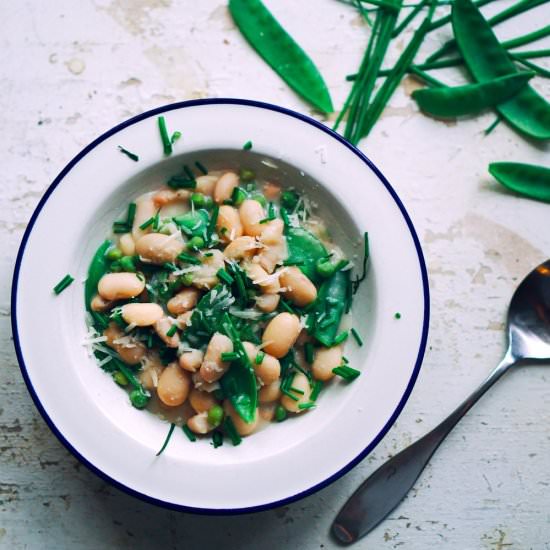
(304, 251)
(280, 51)
(527, 179)
(471, 98)
(486, 59)
(329, 307)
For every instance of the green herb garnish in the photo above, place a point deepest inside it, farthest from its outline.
(170, 432)
(356, 336)
(190, 435)
(224, 276)
(347, 373)
(259, 358)
(247, 146)
(165, 138)
(129, 154)
(63, 284)
(231, 431)
(171, 331)
(230, 356)
(201, 167)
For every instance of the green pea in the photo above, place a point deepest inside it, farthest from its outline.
(115, 266)
(139, 398)
(127, 263)
(325, 268)
(119, 378)
(280, 413)
(186, 279)
(114, 254)
(247, 175)
(289, 199)
(215, 415)
(195, 243)
(197, 199)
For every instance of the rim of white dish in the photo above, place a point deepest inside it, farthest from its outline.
(317, 486)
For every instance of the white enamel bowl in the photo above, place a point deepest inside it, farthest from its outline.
(92, 416)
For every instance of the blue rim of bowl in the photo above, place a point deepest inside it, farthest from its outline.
(333, 477)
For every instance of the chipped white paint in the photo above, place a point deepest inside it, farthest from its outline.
(70, 70)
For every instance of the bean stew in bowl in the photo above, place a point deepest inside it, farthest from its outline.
(221, 302)
(235, 310)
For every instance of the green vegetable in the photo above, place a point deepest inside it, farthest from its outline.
(188, 259)
(182, 181)
(175, 136)
(280, 413)
(224, 276)
(217, 439)
(63, 284)
(169, 435)
(193, 223)
(139, 399)
(317, 387)
(229, 356)
(113, 254)
(397, 315)
(171, 331)
(347, 373)
(231, 431)
(201, 201)
(259, 358)
(447, 19)
(215, 415)
(308, 352)
(304, 250)
(201, 167)
(472, 98)
(196, 243)
(165, 138)
(119, 378)
(527, 179)
(98, 268)
(305, 406)
(342, 337)
(486, 59)
(329, 307)
(280, 51)
(247, 146)
(289, 199)
(190, 435)
(238, 196)
(247, 175)
(358, 339)
(239, 382)
(127, 264)
(147, 223)
(129, 154)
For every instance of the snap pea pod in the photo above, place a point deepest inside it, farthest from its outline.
(98, 268)
(329, 307)
(239, 382)
(486, 59)
(281, 52)
(209, 312)
(472, 98)
(193, 223)
(304, 250)
(527, 179)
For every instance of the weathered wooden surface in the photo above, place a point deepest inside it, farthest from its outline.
(70, 70)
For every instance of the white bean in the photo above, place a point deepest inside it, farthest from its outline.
(299, 289)
(199, 424)
(158, 248)
(150, 375)
(100, 304)
(267, 411)
(201, 401)
(270, 392)
(120, 286)
(145, 209)
(183, 320)
(268, 370)
(251, 213)
(324, 361)
(224, 187)
(228, 224)
(162, 326)
(183, 301)
(130, 350)
(300, 382)
(259, 276)
(267, 302)
(205, 277)
(213, 368)
(142, 314)
(127, 245)
(174, 385)
(242, 247)
(191, 360)
(206, 184)
(272, 232)
(280, 334)
(165, 197)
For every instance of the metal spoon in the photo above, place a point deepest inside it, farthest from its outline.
(529, 339)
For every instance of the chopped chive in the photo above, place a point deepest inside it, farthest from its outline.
(63, 284)
(171, 331)
(493, 125)
(224, 276)
(259, 358)
(247, 146)
(345, 359)
(231, 431)
(189, 173)
(180, 181)
(238, 196)
(296, 390)
(285, 305)
(156, 220)
(358, 339)
(230, 356)
(129, 154)
(147, 223)
(264, 220)
(212, 222)
(208, 254)
(169, 266)
(288, 394)
(175, 136)
(317, 387)
(188, 259)
(397, 315)
(217, 439)
(190, 435)
(170, 432)
(100, 319)
(166, 143)
(201, 167)
(347, 373)
(304, 406)
(308, 351)
(342, 337)
(131, 214)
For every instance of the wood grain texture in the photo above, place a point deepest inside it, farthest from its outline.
(70, 70)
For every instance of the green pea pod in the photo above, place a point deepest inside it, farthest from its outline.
(194, 222)
(98, 268)
(330, 306)
(304, 250)
(486, 59)
(527, 179)
(239, 382)
(281, 52)
(472, 98)
(209, 312)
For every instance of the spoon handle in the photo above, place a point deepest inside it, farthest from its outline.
(386, 487)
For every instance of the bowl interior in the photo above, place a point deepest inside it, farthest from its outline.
(93, 417)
